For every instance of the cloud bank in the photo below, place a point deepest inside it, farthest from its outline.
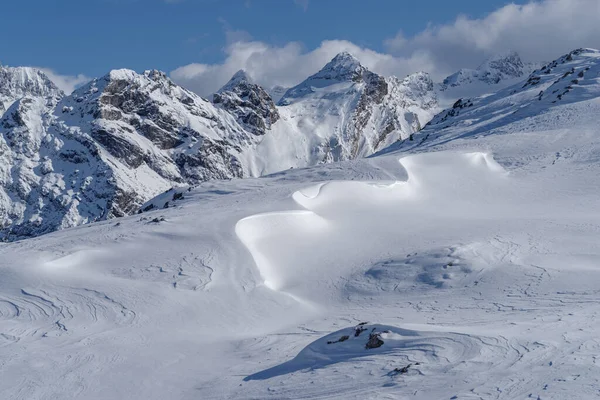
(539, 31)
(66, 83)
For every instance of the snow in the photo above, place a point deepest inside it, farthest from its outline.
(479, 260)
(471, 251)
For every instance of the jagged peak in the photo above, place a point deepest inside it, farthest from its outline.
(121, 74)
(510, 56)
(125, 74)
(346, 59)
(418, 76)
(241, 75)
(344, 66)
(238, 78)
(22, 77)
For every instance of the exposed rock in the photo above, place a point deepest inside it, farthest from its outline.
(342, 339)
(250, 103)
(374, 341)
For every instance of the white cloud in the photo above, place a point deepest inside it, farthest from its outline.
(285, 65)
(539, 31)
(302, 3)
(66, 83)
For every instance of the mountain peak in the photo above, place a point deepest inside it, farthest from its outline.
(503, 65)
(238, 78)
(344, 66)
(497, 68)
(345, 58)
(241, 75)
(18, 82)
(508, 56)
(252, 106)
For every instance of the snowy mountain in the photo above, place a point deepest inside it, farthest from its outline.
(117, 142)
(493, 74)
(277, 92)
(462, 264)
(343, 112)
(107, 148)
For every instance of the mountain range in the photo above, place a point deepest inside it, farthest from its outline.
(119, 140)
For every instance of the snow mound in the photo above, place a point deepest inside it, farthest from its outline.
(424, 351)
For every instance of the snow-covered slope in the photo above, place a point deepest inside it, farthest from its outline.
(495, 73)
(19, 82)
(343, 112)
(466, 273)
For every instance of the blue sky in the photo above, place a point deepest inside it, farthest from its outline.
(201, 43)
(94, 36)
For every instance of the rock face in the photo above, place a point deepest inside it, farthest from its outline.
(248, 102)
(145, 119)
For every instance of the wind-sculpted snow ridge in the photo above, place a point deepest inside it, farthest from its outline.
(333, 209)
(473, 228)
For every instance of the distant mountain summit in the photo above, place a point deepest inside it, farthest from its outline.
(491, 72)
(19, 82)
(344, 67)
